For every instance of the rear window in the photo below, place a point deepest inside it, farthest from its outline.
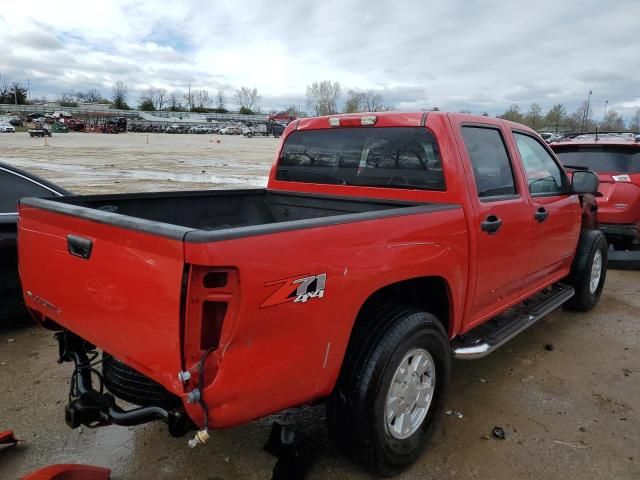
(601, 159)
(390, 157)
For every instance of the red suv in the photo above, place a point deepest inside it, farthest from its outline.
(615, 157)
(281, 117)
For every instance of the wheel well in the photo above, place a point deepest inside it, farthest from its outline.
(430, 294)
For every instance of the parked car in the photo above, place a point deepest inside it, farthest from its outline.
(281, 117)
(616, 159)
(15, 184)
(33, 116)
(7, 128)
(551, 137)
(16, 122)
(232, 130)
(383, 246)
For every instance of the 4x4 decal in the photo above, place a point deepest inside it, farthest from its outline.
(296, 289)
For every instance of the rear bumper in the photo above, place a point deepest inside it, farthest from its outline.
(620, 230)
(624, 259)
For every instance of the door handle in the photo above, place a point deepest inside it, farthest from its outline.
(79, 246)
(491, 225)
(541, 214)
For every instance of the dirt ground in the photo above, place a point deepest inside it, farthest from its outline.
(566, 392)
(135, 162)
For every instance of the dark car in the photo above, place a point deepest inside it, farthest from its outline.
(16, 122)
(15, 184)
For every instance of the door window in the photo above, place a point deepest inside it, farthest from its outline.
(490, 162)
(543, 173)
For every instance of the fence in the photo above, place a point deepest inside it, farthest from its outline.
(87, 111)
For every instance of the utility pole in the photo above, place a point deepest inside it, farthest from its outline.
(28, 90)
(604, 115)
(189, 96)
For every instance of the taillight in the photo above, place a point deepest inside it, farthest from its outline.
(366, 120)
(621, 178)
(211, 298)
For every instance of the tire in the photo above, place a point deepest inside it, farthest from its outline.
(587, 294)
(131, 386)
(357, 410)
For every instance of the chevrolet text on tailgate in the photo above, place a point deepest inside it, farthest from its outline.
(383, 246)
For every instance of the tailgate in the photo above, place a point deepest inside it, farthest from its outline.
(620, 201)
(118, 288)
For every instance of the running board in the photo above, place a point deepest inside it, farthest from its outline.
(483, 340)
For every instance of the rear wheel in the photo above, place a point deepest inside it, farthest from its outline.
(391, 390)
(589, 271)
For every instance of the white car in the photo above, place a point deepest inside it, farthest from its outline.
(7, 128)
(231, 131)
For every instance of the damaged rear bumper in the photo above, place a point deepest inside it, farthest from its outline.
(95, 408)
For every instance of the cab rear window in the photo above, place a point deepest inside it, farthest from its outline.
(390, 157)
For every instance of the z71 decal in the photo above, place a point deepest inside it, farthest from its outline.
(296, 289)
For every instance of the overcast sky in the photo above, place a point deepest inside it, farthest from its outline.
(480, 56)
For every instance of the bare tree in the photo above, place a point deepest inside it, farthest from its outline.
(201, 98)
(534, 116)
(189, 97)
(119, 95)
(146, 100)
(159, 98)
(322, 97)
(67, 99)
(556, 116)
(90, 96)
(355, 102)
(373, 102)
(613, 122)
(247, 98)
(513, 113)
(173, 102)
(634, 124)
(220, 100)
(582, 118)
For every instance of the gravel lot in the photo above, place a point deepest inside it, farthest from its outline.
(567, 391)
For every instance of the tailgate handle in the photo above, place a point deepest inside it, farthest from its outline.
(79, 246)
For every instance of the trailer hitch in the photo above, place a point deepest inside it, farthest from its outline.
(95, 408)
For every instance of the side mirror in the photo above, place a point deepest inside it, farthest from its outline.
(584, 181)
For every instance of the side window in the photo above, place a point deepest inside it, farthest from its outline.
(13, 187)
(489, 160)
(543, 173)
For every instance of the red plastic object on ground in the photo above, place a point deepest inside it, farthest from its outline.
(8, 438)
(70, 472)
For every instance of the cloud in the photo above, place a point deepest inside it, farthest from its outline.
(480, 56)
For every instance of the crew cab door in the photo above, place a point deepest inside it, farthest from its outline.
(555, 211)
(502, 220)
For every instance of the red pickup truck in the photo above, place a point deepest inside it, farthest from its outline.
(383, 247)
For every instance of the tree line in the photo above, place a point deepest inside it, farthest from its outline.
(583, 118)
(322, 98)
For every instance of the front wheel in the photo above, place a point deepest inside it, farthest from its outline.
(391, 390)
(588, 271)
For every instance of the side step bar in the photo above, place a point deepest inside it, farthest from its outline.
(486, 338)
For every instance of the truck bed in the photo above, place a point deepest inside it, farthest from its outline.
(201, 216)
